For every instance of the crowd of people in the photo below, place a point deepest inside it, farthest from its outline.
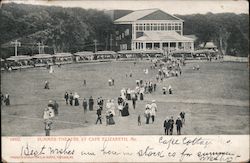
(111, 108)
(170, 68)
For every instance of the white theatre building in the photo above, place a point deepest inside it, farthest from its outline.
(152, 29)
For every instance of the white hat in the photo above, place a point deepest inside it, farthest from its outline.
(153, 100)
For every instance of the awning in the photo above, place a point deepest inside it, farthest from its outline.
(42, 56)
(152, 51)
(18, 58)
(62, 55)
(84, 53)
(105, 53)
(129, 52)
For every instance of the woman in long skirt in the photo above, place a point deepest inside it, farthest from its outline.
(76, 97)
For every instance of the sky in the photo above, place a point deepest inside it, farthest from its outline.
(171, 6)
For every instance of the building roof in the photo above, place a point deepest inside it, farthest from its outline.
(84, 53)
(162, 36)
(129, 52)
(62, 55)
(105, 53)
(40, 56)
(147, 14)
(191, 36)
(18, 58)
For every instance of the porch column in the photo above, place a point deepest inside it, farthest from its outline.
(176, 45)
(134, 31)
(132, 45)
(144, 45)
(161, 46)
(184, 45)
(192, 46)
(153, 45)
(168, 47)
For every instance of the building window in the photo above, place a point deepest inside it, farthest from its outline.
(140, 27)
(166, 27)
(172, 26)
(144, 27)
(176, 27)
(158, 27)
(162, 27)
(155, 27)
(148, 27)
(169, 27)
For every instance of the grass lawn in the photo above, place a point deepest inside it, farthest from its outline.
(215, 99)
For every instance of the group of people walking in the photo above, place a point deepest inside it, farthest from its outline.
(74, 100)
(170, 68)
(71, 99)
(150, 111)
(169, 124)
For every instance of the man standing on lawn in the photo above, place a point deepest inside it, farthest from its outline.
(178, 125)
(134, 98)
(91, 103)
(171, 121)
(153, 110)
(66, 97)
(71, 98)
(166, 126)
(99, 115)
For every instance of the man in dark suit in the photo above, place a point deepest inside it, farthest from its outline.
(99, 115)
(166, 126)
(178, 125)
(171, 121)
(91, 103)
